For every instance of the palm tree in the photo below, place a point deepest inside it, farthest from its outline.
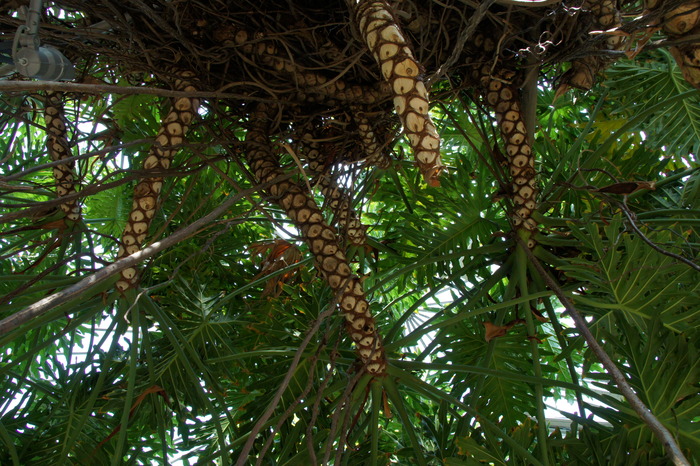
(217, 246)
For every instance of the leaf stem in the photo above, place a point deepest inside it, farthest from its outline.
(663, 434)
(653, 245)
(61, 297)
(521, 270)
(242, 458)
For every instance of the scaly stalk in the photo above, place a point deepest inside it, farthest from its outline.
(59, 149)
(147, 192)
(337, 198)
(386, 42)
(503, 95)
(373, 150)
(323, 242)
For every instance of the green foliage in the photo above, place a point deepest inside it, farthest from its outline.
(671, 107)
(624, 274)
(184, 367)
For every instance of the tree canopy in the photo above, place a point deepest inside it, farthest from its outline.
(351, 232)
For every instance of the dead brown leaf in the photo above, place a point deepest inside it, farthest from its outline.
(495, 331)
(627, 187)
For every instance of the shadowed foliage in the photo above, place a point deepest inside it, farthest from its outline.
(310, 232)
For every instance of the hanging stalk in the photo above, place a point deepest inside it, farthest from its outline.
(386, 42)
(147, 192)
(59, 149)
(323, 242)
(374, 155)
(583, 71)
(337, 198)
(522, 278)
(504, 97)
(679, 23)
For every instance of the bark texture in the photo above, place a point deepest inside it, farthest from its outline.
(59, 149)
(147, 192)
(322, 239)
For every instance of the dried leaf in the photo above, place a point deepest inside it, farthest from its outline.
(538, 315)
(280, 254)
(627, 187)
(495, 331)
(387, 409)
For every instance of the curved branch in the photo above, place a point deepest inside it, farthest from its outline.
(653, 245)
(46, 304)
(659, 430)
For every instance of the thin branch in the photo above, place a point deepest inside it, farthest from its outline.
(242, 458)
(75, 158)
(309, 385)
(41, 207)
(465, 34)
(529, 3)
(34, 86)
(315, 410)
(663, 434)
(46, 304)
(343, 401)
(653, 245)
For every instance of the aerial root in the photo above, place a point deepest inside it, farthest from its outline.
(313, 86)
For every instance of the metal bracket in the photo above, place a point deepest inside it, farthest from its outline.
(31, 59)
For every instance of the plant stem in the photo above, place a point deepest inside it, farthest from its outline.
(666, 438)
(521, 270)
(653, 245)
(61, 297)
